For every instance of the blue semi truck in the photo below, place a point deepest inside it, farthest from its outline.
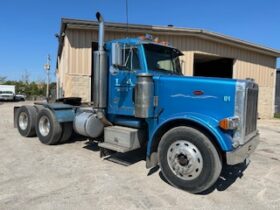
(190, 126)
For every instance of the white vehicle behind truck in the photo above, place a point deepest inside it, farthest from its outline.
(7, 92)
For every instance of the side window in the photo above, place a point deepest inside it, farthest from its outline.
(131, 59)
(165, 65)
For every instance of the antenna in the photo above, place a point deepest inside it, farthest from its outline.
(126, 10)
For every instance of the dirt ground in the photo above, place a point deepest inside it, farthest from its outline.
(73, 176)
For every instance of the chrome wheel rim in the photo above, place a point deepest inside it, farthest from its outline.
(184, 160)
(23, 121)
(44, 126)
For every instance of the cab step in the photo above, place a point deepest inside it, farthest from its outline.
(113, 147)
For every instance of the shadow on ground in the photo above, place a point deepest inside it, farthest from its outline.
(228, 176)
(125, 159)
(91, 146)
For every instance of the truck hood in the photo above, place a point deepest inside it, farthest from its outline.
(210, 96)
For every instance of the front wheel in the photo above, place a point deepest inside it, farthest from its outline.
(188, 159)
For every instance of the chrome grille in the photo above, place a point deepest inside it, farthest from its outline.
(251, 109)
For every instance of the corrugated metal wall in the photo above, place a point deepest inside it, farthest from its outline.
(76, 57)
(277, 93)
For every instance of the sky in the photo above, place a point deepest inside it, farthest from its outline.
(27, 27)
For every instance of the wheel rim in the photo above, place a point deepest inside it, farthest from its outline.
(184, 160)
(44, 126)
(23, 121)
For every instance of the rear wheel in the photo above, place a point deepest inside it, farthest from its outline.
(188, 159)
(67, 130)
(48, 129)
(39, 108)
(26, 120)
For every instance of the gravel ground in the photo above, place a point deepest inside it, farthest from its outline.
(73, 176)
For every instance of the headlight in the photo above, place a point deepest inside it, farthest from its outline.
(230, 123)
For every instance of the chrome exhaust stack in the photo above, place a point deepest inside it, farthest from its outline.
(101, 31)
(91, 122)
(100, 69)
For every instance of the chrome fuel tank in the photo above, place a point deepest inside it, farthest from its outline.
(87, 124)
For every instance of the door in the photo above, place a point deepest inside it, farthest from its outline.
(122, 82)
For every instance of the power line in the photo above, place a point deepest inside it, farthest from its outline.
(47, 67)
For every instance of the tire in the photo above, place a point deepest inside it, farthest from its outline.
(38, 108)
(188, 159)
(48, 129)
(26, 120)
(67, 130)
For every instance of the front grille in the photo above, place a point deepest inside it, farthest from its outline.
(251, 110)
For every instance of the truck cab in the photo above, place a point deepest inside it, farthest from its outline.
(189, 126)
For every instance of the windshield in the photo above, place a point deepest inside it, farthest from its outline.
(162, 58)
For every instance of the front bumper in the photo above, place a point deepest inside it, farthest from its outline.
(242, 152)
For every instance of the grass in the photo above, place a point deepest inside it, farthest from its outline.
(277, 115)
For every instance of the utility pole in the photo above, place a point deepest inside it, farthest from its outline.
(47, 68)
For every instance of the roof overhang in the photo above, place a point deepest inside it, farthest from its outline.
(164, 30)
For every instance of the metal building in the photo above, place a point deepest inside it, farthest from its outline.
(277, 92)
(205, 54)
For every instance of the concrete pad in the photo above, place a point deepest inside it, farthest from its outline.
(73, 176)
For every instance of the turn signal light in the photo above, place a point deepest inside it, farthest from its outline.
(230, 123)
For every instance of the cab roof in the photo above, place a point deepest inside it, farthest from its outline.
(139, 41)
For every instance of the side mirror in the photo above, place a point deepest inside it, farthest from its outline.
(117, 55)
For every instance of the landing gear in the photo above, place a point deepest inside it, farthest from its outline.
(188, 159)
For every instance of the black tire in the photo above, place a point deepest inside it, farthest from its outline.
(30, 113)
(211, 167)
(67, 130)
(55, 129)
(38, 108)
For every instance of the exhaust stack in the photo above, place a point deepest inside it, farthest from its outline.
(101, 31)
(100, 69)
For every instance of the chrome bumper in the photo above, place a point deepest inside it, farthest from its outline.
(243, 151)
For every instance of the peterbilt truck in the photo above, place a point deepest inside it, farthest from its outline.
(190, 126)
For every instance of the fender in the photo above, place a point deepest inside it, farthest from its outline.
(224, 140)
(62, 112)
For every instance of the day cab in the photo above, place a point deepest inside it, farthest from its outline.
(190, 126)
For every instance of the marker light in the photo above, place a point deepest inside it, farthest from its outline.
(230, 123)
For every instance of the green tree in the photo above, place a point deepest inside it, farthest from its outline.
(31, 89)
(2, 79)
